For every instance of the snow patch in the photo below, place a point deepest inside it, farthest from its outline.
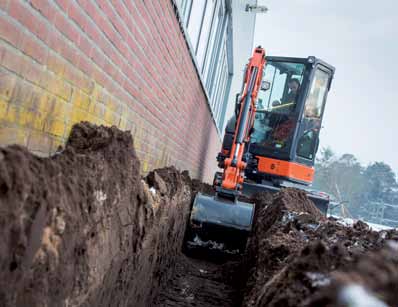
(318, 279)
(152, 190)
(354, 295)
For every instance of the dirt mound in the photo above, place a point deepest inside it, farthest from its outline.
(294, 250)
(198, 186)
(82, 228)
(372, 280)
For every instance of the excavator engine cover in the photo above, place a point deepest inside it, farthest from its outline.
(219, 224)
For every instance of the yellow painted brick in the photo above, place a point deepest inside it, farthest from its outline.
(77, 115)
(63, 89)
(92, 107)
(26, 118)
(40, 120)
(44, 102)
(96, 92)
(122, 123)
(60, 109)
(55, 127)
(108, 116)
(98, 121)
(137, 143)
(7, 83)
(124, 110)
(86, 83)
(81, 100)
(102, 96)
(145, 166)
(12, 113)
(99, 110)
(92, 119)
(113, 105)
(3, 108)
(56, 85)
(35, 100)
(68, 128)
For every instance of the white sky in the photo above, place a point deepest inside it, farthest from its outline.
(359, 38)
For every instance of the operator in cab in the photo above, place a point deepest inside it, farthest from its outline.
(288, 102)
(282, 120)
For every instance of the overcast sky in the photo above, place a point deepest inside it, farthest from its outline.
(359, 38)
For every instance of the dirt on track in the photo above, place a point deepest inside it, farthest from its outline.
(83, 228)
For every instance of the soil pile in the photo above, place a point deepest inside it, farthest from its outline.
(371, 281)
(294, 250)
(81, 228)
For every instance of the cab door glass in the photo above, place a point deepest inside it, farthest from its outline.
(312, 117)
(275, 117)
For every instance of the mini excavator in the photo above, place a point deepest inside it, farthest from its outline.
(269, 143)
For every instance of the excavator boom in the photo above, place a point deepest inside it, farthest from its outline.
(234, 166)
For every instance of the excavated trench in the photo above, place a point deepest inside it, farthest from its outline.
(83, 228)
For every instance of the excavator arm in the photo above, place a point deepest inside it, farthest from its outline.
(234, 166)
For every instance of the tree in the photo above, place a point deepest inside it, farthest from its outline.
(380, 182)
(341, 177)
(364, 189)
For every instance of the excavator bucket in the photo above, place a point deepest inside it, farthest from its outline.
(219, 224)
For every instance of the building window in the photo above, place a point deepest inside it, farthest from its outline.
(195, 21)
(206, 23)
(204, 35)
(184, 7)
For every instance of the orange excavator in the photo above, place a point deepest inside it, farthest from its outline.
(269, 143)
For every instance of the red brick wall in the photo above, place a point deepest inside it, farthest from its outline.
(111, 62)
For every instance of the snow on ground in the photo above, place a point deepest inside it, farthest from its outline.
(349, 222)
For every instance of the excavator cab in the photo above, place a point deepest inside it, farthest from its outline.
(289, 115)
(287, 124)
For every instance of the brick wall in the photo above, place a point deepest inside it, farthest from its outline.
(110, 62)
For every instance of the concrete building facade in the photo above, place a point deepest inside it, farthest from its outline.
(161, 69)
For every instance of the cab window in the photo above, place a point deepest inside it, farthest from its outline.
(313, 108)
(276, 108)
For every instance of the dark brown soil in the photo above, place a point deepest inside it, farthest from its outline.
(376, 273)
(200, 283)
(83, 228)
(294, 250)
